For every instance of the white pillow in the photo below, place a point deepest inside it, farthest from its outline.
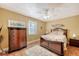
(60, 32)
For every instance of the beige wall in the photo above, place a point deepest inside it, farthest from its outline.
(6, 15)
(71, 23)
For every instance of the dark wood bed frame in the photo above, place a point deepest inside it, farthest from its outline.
(54, 46)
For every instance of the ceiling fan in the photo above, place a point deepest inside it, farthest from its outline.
(45, 13)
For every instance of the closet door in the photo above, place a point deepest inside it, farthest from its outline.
(22, 37)
(13, 39)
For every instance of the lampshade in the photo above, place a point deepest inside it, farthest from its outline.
(74, 35)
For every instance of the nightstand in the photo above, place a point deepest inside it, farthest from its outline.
(74, 42)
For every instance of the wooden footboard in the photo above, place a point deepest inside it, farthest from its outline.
(54, 46)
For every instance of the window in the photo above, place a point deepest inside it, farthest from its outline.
(32, 25)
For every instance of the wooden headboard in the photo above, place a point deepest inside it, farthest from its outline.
(64, 30)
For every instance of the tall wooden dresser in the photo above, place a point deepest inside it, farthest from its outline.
(17, 38)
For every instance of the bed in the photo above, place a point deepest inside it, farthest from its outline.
(56, 41)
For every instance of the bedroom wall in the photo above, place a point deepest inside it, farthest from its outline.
(71, 23)
(6, 15)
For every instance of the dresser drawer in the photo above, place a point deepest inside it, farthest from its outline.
(74, 42)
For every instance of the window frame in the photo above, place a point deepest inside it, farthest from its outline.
(32, 26)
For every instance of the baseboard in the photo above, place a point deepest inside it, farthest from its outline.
(32, 41)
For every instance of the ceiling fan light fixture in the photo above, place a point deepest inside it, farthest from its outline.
(46, 17)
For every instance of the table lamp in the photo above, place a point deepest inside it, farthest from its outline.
(74, 35)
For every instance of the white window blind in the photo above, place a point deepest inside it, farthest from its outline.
(32, 25)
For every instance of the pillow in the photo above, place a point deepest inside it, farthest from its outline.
(54, 32)
(60, 32)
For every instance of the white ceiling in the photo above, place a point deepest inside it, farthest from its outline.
(36, 10)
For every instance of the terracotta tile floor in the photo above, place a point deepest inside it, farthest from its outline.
(72, 51)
